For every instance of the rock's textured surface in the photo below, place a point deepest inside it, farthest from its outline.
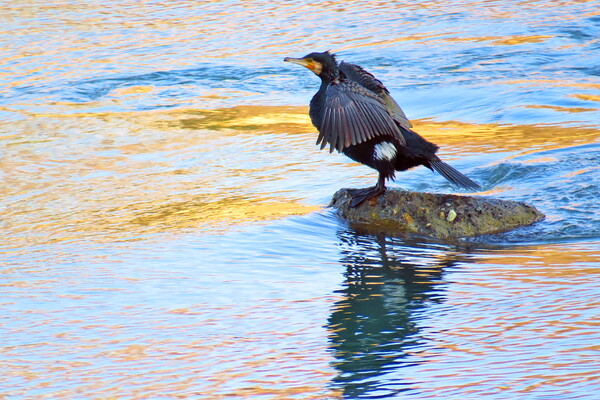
(442, 216)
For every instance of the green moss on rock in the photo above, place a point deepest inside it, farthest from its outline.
(442, 216)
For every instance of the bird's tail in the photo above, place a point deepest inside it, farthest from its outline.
(453, 175)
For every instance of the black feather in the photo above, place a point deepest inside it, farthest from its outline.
(454, 176)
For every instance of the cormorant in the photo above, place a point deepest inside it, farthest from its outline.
(355, 114)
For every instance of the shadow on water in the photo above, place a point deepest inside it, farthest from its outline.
(374, 326)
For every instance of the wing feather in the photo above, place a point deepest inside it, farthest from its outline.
(352, 129)
(321, 137)
(367, 80)
(347, 124)
(325, 130)
(352, 114)
(364, 130)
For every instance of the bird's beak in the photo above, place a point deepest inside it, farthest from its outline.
(300, 61)
(309, 63)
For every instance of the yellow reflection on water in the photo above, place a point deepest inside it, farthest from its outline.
(247, 119)
(205, 213)
(114, 176)
(513, 40)
(551, 82)
(119, 175)
(587, 97)
(563, 109)
(501, 40)
(459, 136)
(529, 259)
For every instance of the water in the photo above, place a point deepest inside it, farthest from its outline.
(163, 206)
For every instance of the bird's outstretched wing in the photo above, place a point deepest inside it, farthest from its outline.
(357, 74)
(351, 115)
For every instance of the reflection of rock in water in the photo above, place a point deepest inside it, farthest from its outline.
(373, 327)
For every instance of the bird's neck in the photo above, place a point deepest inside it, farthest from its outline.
(330, 75)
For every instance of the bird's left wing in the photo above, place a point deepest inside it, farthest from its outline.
(366, 79)
(352, 114)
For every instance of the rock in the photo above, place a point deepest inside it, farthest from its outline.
(443, 216)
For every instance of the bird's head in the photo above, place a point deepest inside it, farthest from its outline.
(323, 64)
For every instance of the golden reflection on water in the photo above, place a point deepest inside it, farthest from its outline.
(555, 256)
(456, 137)
(564, 109)
(124, 179)
(210, 214)
(501, 40)
(588, 97)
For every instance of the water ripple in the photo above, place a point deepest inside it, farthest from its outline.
(162, 207)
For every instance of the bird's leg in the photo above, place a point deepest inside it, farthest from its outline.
(361, 195)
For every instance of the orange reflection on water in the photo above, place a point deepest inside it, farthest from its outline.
(152, 172)
(578, 260)
(525, 139)
(587, 97)
(564, 109)
(552, 82)
(501, 40)
(144, 173)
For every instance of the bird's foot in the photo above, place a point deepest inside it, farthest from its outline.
(359, 196)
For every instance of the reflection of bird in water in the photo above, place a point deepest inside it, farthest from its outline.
(356, 115)
(375, 325)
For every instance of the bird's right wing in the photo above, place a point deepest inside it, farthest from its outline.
(367, 80)
(352, 114)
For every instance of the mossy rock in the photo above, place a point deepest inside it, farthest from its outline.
(443, 216)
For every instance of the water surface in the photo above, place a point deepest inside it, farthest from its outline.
(163, 207)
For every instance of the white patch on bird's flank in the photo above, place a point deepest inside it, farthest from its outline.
(385, 151)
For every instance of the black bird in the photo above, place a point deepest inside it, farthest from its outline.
(356, 115)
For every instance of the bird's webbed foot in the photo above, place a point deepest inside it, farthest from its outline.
(359, 196)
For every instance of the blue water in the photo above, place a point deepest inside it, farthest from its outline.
(164, 219)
